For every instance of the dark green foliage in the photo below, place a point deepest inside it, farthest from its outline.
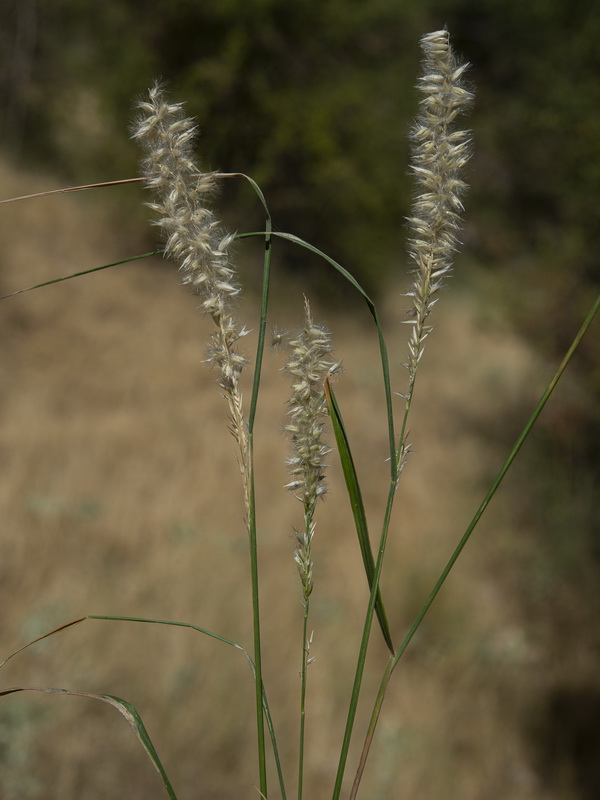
(314, 99)
(537, 159)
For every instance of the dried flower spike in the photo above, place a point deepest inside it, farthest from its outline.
(192, 234)
(308, 367)
(439, 155)
(195, 240)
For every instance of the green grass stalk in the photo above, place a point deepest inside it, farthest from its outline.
(253, 541)
(393, 662)
(303, 675)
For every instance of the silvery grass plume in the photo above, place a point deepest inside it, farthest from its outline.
(439, 155)
(194, 240)
(308, 366)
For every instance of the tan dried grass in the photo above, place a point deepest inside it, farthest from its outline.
(120, 496)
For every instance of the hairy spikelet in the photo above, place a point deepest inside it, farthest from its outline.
(195, 241)
(439, 155)
(192, 234)
(308, 366)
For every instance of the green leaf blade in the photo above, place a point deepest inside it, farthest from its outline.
(126, 709)
(358, 509)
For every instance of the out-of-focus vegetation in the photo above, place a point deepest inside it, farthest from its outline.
(314, 99)
(120, 496)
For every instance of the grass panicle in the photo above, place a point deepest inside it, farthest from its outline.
(308, 367)
(195, 241)
(440, 153)
(193, 235)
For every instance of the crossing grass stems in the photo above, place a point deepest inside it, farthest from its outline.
(182, 198)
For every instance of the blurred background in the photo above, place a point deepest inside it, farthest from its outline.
(120, 492)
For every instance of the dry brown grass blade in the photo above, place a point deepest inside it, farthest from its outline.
(44, 636)
(70, 189)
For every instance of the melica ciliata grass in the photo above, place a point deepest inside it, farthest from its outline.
(183, 198)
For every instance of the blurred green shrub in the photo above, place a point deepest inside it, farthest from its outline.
(314, 100)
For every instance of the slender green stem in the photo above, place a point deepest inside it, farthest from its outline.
(260, 347)
(372, 725)
(305, 647)
(393, 483)
(362, 655)
(260, 724)
(392, 663)
(253, 542)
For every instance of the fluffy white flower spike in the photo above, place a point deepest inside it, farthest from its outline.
(195, 241)
(308, 366)
(439, 155)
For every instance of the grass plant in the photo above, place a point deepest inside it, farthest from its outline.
(183, 201)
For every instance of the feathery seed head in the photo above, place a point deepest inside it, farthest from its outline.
(193, 236)
(439, 155)
(308, 367)
(194, 239)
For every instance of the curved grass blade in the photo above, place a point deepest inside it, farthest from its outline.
(123, 181)
(84, 272)
(290, 237)
(253, 183)
(44, 636)
(358, 509)
(178, 625)
(126, 709)
(265, 703)
(102, 185)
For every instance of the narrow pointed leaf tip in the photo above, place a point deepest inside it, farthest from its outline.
(126, 709)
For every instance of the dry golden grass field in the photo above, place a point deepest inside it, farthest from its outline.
(120, 496)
